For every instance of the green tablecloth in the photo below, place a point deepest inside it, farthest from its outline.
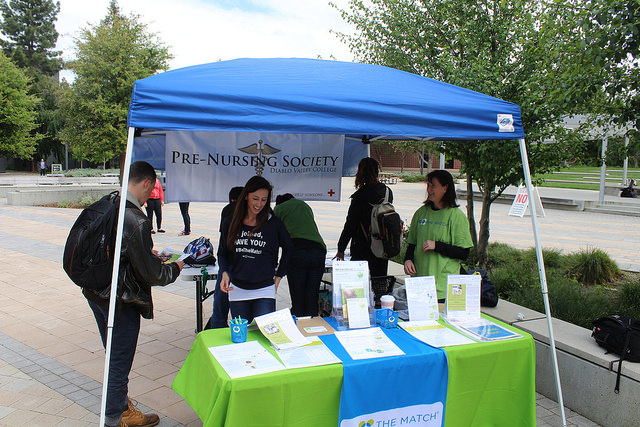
(490, 384)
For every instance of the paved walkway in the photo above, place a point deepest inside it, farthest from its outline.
(51, 358)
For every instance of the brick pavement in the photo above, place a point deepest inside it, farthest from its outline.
(51, 358)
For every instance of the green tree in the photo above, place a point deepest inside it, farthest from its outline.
(111, 56)
(508, 49)
(17, 112)
(30, 37)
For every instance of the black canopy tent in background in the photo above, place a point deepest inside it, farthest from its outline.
(360, 101)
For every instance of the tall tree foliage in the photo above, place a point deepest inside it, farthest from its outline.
(17, 112)
(111, 56)
(30, 38)
(507, 49)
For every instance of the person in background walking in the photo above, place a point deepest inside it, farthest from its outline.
(43, 167)
(357, 227)
(306, 265)
(184, 210)
(154, 204)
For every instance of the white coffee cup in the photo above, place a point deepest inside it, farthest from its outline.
(386, 301)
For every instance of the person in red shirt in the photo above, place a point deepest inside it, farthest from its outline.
(154, 204)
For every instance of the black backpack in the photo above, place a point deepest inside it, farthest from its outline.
(200, 252)
(619, 335)
(89, 251)
(386, 229)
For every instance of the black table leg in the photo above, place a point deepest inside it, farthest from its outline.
(198, 280)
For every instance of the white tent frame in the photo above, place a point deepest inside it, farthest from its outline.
(118, 247)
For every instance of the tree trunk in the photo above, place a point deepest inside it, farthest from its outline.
(122, 159)
(483, 238)
(470, 212)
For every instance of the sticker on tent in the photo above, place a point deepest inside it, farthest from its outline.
(505, 123)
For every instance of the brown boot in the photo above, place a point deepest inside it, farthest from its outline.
(134, 417)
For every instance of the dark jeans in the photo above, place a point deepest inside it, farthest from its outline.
(155, 205)
(184, 210)
(220, 307)
(126, 327)
(304, 274)
(252, 308)
(43, 172)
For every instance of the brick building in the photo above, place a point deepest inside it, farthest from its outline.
(392, 160)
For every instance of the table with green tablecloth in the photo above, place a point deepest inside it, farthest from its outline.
(489, 384)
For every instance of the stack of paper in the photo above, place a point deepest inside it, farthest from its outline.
(434, 334)
(245, 359)
(314, 354)
(482, 329)
(279, 328)
(367, 343)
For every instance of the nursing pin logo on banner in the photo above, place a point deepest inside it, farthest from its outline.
(261, 153)
(505, 123)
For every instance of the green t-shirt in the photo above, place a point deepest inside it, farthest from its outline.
(297, 217)
(448, 225)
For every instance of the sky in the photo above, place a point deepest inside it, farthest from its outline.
(202, 31)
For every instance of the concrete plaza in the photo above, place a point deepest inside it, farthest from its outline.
(51, 358)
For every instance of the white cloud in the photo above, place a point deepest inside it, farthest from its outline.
(201, 31)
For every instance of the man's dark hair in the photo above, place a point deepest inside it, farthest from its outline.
(234, 193)
(140, 171)
(283, 198)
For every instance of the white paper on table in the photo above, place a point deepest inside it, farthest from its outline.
(483, 330)
(358, 310)
(367, 343)
(279, 328)
(314, 354)
(422, 298)
(434, 334)
(463, 296)
(245, 359)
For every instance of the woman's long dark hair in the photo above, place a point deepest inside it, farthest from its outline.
(444, 178)
(368, 169)
(254, 184)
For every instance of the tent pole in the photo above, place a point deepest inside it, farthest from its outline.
(625, 164)
(603, 169)
(116, 271)
(543, 274)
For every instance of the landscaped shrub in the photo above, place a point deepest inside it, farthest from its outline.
(592, 266)
(627, 297)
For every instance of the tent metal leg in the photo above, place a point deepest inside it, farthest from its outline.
(116, 271)
(543, 274)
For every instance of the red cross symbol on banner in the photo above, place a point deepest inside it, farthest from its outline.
(331, 192)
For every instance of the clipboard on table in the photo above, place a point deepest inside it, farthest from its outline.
(314, 326)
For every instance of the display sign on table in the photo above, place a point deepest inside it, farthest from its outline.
(351, 282)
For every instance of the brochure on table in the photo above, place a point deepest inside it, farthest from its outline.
(434, 334)
(245, 359)
(279, 328)
(315, 353)
(483, 330)
(351, 282)
(367, 343)
(463, 296)
(422, 298)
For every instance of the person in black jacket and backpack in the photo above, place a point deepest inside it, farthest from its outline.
(140, 268)
(357, 227)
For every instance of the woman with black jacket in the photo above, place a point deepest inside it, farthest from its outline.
(357, 227)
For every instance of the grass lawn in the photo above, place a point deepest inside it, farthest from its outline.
(586, 177)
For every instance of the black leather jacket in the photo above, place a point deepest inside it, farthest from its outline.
(139, 267)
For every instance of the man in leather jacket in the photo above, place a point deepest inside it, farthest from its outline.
(140, 268)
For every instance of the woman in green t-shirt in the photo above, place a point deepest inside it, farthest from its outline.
(439, 237)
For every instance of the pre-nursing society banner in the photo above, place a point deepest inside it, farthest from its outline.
(203, 166)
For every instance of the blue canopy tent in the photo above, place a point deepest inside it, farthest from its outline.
(360, 101)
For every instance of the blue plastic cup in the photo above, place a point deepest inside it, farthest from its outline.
(238, 330)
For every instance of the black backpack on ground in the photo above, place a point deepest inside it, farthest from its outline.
(619, 335)
(200, 252)
(386, 229)
(89, 251)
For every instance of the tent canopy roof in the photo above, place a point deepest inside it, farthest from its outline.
(292, 95)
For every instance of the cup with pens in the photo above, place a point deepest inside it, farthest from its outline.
(238, 328)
